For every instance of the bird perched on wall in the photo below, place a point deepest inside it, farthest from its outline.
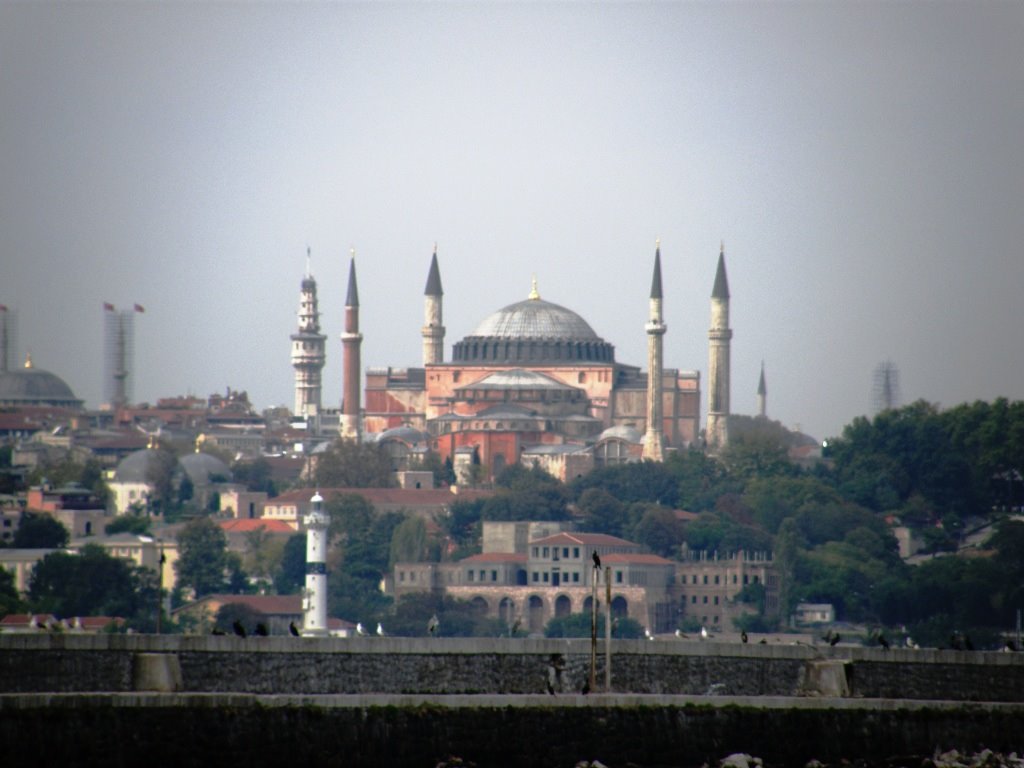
(360, 629)
(647, 634)
(433, 625)
(743, 636)
(261, 630)
(883, 642)
(586, 687)
(596, 558)
(380, 630)
(834, 639)
(681, 635)
(703, 633)
(293, 630)
(515, 627)
(238, 628)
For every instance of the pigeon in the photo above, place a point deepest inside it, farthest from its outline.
(433, 625)
(293, 630)
(238, 628)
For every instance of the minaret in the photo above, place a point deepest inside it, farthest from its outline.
(762, 395)
(6, 344)
(314, 596)
(308, 350)
(654, 444)
(351, 340)
(717, 430)
(433, 324)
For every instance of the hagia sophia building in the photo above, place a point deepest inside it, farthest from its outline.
(533, 383)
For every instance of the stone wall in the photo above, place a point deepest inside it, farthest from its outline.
(285, 665)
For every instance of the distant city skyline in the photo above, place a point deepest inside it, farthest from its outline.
(861, 162)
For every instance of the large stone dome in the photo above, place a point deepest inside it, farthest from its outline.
(536, 319)
(34, 386)
(533, 331)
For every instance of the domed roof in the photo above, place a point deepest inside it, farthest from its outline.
(536, 319)
(34, 386)
(134, 468)
(533, 332)
(203, 468)
(405, 434)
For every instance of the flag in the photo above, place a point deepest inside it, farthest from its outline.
(139, 308)
(108, 307)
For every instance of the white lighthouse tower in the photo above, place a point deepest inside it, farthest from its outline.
(314, 602)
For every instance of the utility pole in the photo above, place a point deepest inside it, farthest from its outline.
(593, 628)
(607, 629)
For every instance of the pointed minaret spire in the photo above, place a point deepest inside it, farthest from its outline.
(352, 298)
(654, 441)
(534, 293)
(308, 257)
(719, 337)
(351, 340)
(762, 395)
(721, 287)
(433, 312)
(656, 280)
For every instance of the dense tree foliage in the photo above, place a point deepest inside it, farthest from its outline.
(204, 564)
(256, 475)
(10, 600)
(128, 523)
(347, 464)
(38, 530)
(94, 584)
(456, 618)
(580, 625)
(290, 575)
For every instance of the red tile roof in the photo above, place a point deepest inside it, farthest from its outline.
(245, 525)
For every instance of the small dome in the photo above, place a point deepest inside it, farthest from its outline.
(134, 468)
(622, 432)
(409, 435)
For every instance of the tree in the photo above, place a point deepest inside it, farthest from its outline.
(93, 583)
(408, 542)
(347, 464)
(202, 556)
(659, 530)
(291, 574)
(38, 530)
(456, 618)
(160, 474)
(128, 523)
(602, 512)
(10, 600)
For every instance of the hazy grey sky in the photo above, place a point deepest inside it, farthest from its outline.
(862, 162)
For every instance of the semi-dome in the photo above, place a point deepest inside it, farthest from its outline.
(34, 386)
(534, 331)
